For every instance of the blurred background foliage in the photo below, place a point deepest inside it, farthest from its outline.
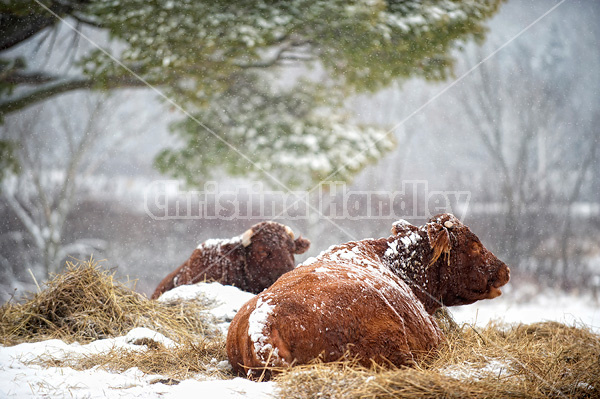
(222, 62)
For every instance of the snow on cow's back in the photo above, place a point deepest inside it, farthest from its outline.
(215, 244)
(355, 264)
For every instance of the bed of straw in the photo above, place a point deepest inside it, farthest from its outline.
(539, 360)
(85, 303)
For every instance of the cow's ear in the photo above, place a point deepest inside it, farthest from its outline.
(402, 226)
(439, 239)
(301, 245)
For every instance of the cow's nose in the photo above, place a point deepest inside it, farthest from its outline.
(504, 274)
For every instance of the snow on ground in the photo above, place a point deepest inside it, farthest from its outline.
(227, 300)
(18, 379)
(532, 304)
(469, 370)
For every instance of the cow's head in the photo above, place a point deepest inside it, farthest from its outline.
(465, 271)
(270, 249)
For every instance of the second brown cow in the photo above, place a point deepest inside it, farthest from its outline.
(251, 261)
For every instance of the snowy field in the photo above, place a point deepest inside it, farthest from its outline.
(21, 379)
(532, 304)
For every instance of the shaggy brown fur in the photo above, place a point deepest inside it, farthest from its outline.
(251, 261)
(370, 299)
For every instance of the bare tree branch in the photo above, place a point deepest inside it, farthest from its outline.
(86, 20)
(27, 78)
(54, 177)
(23, 216)
(24, 100)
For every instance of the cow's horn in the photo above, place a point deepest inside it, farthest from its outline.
(246, 237)
(289, 231)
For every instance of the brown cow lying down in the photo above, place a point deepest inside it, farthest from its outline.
(372, 299)
(251, 262)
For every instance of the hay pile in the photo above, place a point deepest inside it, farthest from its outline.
(85, 303)
(540, 360)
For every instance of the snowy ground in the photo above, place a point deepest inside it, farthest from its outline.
(531, 304)
(18, 379)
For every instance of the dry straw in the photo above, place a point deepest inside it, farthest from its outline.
(86, 303)
(540, 360)
(203, 359)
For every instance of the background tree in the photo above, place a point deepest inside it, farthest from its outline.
(57, 152)
(212, 56)
(538, 163)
